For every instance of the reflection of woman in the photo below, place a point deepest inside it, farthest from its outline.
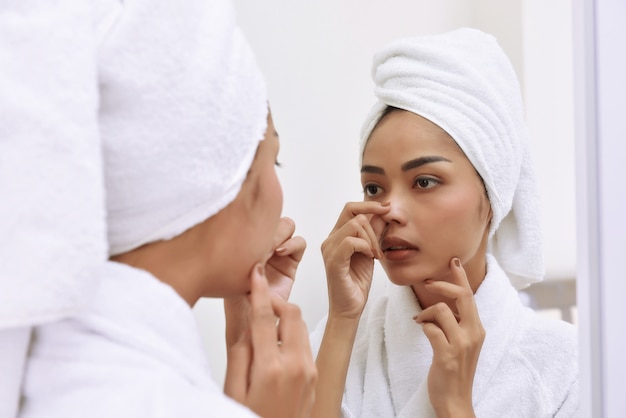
(193, 209)
(450, 212)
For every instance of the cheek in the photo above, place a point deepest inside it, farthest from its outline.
(276, 193)
(462, 217)
(273, 204)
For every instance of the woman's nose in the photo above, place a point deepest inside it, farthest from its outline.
(397, 211)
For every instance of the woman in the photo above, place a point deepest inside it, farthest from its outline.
(450, 212)
(193, 209)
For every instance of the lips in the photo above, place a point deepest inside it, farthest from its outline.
(396, 244)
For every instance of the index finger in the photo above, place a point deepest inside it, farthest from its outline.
(292, 328)
(352, 209)
(262, 319)
(294, 247)
(460, 291)
(284, 231)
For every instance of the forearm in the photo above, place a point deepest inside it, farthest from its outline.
(456, 411)
(332, 363)
(236, 317)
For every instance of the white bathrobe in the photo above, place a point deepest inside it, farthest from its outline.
(528, 365)
(108, 99)
(135, 353)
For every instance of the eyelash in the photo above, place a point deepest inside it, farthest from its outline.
(367, 186)
(278, 164)
(432, 183)
(429, 179)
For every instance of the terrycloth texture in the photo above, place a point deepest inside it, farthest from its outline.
(463, 82)
(183, 108)
(528, 366)
(52, 210)
(135, 353)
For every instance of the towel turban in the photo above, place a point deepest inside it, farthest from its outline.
(182, 109)
(463, 82)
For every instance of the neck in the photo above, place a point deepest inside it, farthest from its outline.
(171, 263)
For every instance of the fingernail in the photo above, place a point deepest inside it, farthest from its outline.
(386, 203)
(281, 250)
(457, 262)
(428, 281)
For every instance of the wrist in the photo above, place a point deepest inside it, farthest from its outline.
(455, 410)
(341, 321)
(342, 330)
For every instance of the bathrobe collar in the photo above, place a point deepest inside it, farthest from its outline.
(409, 353)
(140, 312)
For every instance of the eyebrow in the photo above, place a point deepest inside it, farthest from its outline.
(409, 165)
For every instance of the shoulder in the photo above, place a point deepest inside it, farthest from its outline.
(548, 348)
(538, 373)
(545, 340)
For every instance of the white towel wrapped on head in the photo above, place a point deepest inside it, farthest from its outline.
(183, 108)
(463, 82)
(159, 101)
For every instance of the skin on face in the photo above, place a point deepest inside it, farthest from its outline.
(215, 257)
(246, 226)
(439, 208)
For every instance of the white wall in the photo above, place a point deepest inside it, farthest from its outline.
(317, 57)
(600, 102)
(548, 91)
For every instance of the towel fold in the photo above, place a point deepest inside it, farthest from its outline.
(183, 108)
(527, 365)
(52, 213)
(463, 82)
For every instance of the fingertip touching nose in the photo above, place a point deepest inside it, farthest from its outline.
(396, 213)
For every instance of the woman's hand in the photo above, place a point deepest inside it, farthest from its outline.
(456, 340)
(349, 253)
(280, 270)
(287, 252)
(270, 368)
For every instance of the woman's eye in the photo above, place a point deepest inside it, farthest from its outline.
(425, 182)
(371, 190)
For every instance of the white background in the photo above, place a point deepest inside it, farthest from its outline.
(600, 85)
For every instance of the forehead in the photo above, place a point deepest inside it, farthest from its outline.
(406, 135)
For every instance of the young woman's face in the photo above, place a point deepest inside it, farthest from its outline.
(248, 224)
(438, 205)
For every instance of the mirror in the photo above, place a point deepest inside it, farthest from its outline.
(317, 58)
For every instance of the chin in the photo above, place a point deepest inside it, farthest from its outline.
(408, 275)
